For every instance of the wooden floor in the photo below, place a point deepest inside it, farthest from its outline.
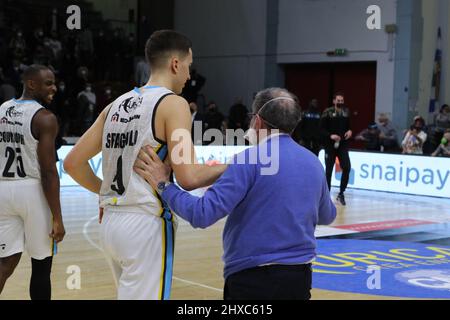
(198, 265)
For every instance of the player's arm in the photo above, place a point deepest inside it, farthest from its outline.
(190, 175)
(45, 129)
(76, 163)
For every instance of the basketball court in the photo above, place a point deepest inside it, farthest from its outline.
(198, 267)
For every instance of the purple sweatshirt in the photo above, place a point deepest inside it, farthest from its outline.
(271, 218)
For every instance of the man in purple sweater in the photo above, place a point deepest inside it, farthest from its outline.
(268, 239)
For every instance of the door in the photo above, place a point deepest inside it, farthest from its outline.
(357, 80)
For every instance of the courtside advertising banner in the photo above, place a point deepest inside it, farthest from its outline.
(419, 175)
(398, 173)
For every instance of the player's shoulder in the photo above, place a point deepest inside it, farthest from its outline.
(173, 103)
(46, 116)
(126, 95)
(6, 103)
(18, 103)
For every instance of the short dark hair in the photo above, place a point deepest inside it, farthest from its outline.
(31, 71)
(282, 114)
(338, 93)
(163, 42)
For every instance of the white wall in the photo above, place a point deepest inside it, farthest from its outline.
(435, 14)
(430, 26)
(308, 29)
(229, 41)
(444, 18)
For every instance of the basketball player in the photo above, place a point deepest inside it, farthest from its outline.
(137, 232)
(30, 211)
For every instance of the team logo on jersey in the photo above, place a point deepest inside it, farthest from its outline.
(12, 113)
(130, 104)
(115, 117)
(4, 120)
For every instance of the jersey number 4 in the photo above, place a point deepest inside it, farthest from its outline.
(118, 179)
(10, 154)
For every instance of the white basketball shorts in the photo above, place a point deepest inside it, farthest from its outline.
(139, 248)
(25, 219)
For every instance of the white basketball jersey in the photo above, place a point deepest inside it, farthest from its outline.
(18, 147)
(129, 126)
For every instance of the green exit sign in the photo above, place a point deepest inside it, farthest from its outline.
(340, 52)
(337, 52)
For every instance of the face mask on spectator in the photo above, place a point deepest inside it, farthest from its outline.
(88, 89)
(62, 87)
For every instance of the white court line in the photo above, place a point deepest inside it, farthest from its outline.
(197, 284)
(88, 238)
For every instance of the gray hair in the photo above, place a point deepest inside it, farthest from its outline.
(281, 114)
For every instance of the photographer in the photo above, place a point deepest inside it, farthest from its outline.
(335, 128)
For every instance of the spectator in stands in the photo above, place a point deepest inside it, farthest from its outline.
(420, 122)
(443, 150)
(414, 139)
(56, 47)
(104, 98)
(142, 73)
(61, 107)
(238, 116)
(79, 83)
(442, 119)
(214, 120)
(14, 74)
(86, 106)
(36, 40)
(18, 46)
(86, 45)
(388, 134)
(198, 124)
(7, 90)
(441, 122)
(309, 128)
(371, 137)
(193, 86)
